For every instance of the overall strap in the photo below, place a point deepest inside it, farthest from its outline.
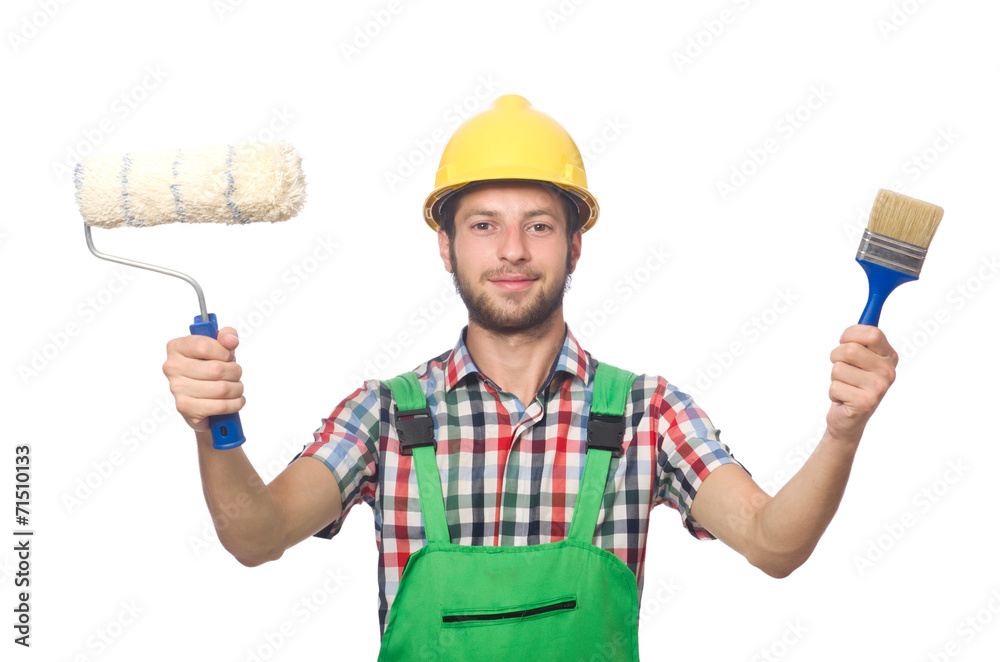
(415, 428)
(605, 432)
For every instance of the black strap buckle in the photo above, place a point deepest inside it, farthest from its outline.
(415, 428)
(606, 433)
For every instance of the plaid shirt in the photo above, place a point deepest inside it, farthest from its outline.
(509, 472)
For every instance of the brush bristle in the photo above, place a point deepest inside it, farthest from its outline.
(904, 218)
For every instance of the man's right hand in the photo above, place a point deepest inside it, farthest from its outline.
(204, 376)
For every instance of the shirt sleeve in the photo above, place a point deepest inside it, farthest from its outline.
(689, 450)
(347, 443)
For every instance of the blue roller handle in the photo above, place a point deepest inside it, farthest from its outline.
(881, 281)
(227, 431)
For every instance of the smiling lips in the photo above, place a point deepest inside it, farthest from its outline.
(512, 282)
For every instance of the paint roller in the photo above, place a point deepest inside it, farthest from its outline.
(231, 184)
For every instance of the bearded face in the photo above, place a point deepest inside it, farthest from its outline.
(510, 310)
(510, 256)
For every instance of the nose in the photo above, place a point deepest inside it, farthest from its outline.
(513, 245)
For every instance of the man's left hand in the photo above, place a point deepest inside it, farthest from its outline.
(864, 366)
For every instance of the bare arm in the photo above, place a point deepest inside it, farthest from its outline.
(778, 534)
(255, 522)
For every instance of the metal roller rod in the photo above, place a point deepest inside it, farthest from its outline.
(149, 267)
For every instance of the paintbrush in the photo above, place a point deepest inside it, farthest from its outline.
(894, 246)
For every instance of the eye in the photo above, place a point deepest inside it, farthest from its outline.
(481, 226)
(540, 227)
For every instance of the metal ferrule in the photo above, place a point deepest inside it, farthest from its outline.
(891, 253)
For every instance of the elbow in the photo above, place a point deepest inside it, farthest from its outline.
(779, 571)
(779, 566)
(254, 560)
(252, 557)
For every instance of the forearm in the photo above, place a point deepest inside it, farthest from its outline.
(791, 524)
(245, 514)
(777, 534)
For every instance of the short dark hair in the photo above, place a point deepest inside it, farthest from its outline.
(446, 213)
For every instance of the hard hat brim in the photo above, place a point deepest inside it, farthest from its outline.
(585, 202)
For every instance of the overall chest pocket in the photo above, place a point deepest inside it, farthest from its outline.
(515, 613)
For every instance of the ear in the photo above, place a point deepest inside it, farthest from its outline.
(575, 249)
(443, 247)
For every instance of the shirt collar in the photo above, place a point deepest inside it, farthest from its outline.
(572, 360)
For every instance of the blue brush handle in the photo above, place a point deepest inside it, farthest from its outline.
(881, 281)
(227, 431)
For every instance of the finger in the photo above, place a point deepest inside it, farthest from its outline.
(871, 337)
(229, 338)
(207, 370)
(852, 397)
(875, 381)
(852, 376)
(184, 387)
(855, 354)
(882, 370)
(199, 347)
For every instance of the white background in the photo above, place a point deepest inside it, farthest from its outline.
(903, 94)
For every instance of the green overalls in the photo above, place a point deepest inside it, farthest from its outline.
(566, 600)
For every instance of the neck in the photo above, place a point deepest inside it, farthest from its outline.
(518, 362)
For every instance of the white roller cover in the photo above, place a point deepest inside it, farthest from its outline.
(233, 184)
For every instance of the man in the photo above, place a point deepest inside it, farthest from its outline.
(510, 406)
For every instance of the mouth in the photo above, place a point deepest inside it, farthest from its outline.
(513, 283)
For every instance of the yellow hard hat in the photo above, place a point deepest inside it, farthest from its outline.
(511, 140)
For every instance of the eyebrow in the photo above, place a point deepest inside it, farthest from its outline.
(481, 211)
(493, 213)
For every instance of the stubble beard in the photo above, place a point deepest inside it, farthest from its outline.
(515, 317)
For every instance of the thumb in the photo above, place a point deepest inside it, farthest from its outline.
(228, 338)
